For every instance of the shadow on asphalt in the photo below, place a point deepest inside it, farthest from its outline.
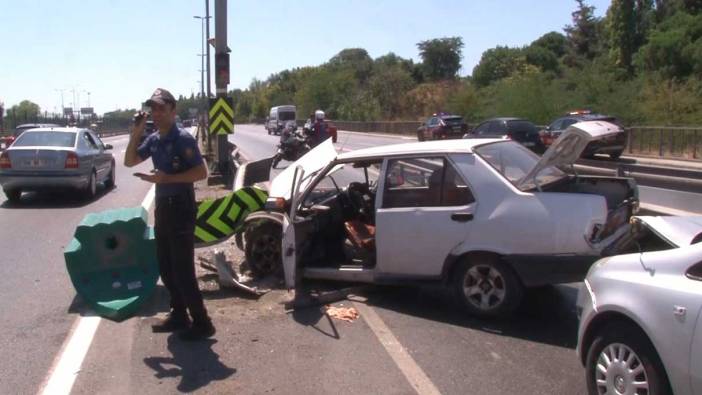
(312, 316)
(55, 199)
(547, 315)
(157, 303)
(195, 363)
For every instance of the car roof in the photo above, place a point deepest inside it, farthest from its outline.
(506, 119)
(36, 125)
(57, 129)
(429, 147)
(587, 117)
(449, 116)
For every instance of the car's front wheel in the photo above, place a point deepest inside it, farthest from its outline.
(263, 248)
(486, 286)
(13, 195)
(420, 135)
(622, 360)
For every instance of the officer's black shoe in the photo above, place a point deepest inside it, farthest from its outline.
(198, 331)
(173, 323)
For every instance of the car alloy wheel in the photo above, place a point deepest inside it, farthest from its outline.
(622, 360)
(91, 188)
(263, 248)
(620, 371)
(484, 287)
(487, 286)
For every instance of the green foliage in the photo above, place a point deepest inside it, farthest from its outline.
(497, 63)
(441, 57)
(25, 109)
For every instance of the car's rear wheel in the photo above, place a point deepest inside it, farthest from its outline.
(420, 136)
(486, 286)
(622, 360)
(13, 195)
(110, 182)
(263, 248)
(91, 189)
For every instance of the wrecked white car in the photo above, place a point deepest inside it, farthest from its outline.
(487, 217)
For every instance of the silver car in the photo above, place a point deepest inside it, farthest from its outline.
(48, 158)
(640, 321)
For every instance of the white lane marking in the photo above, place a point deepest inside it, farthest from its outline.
(149, 198)
(67, 364)
(414, 374)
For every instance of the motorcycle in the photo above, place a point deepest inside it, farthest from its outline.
(293, 144)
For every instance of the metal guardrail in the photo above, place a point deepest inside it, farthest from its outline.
(665, 142)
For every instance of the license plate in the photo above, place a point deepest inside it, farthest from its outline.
(37, 163)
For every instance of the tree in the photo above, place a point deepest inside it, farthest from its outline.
(441, 57)
(389, 86)
(497, 63)
(356, 59)
(25, 110)
(554, 42)
(621, 25)
(582, 35)
(541, 57)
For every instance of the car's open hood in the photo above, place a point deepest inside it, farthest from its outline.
(566, 150)
(680, 231)
(316, 159)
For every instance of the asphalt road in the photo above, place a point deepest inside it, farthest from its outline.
(37, 296)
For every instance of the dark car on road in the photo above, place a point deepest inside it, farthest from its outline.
(520, 130)
(442, 126)
(611, 145)
(149, 129)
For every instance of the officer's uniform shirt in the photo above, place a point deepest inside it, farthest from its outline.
(174, 153)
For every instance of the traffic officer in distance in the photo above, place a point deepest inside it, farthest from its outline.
(178, 164)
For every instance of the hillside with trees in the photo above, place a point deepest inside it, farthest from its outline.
(642, 61)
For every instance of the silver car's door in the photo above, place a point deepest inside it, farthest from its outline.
(425, 210)
(97, 155)
(695, 274)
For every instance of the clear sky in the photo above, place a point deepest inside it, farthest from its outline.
(121, 50)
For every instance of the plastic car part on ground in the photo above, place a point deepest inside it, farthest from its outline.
(219, 219)
(112, 261)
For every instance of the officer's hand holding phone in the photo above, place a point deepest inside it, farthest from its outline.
(139, 124)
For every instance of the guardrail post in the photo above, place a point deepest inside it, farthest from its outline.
(660, 142)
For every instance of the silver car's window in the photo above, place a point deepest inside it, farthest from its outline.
(424, 182)
(344, 175)
(89, 139)
(514, 161)
(46, 139)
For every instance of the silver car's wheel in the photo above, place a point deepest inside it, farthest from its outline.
(484, 287)
(622, 361)
(487, 286)
(91, 188)
(620, 371)
(263, 248)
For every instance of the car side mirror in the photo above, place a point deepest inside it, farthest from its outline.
(108, 146)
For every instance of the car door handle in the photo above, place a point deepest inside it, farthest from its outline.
(461, 217)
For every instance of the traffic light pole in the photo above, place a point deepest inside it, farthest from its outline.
(222, 80)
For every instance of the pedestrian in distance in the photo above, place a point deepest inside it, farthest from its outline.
(178, 164)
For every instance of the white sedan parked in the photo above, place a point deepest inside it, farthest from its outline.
(640, 326)
(488, 217)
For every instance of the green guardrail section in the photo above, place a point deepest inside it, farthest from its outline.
(112, 261)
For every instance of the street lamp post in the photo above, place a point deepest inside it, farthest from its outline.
(202, 54)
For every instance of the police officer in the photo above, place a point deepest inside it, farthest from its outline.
(178, 164)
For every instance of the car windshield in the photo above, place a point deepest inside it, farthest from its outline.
(286, 116)
(46, 139)
(514, 162)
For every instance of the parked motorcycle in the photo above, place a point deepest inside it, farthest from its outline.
(293, 144)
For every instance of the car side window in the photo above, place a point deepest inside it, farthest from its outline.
(695, 272)
(97, 140)
(568, 122)
(556, 125)
(432, 122)
(482, 128)
(89, 139)
(497, 127)
(424, 182)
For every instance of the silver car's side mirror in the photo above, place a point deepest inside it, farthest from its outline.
(108, 146)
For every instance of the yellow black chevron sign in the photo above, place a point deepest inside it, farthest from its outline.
(219, 219)
(221, 115)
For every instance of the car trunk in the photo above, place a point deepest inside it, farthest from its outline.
(620, 194)
(33, 159)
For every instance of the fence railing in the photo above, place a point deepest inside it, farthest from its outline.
(665, 142)
(104, 125)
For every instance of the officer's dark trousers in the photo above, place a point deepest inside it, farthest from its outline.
(175, 224)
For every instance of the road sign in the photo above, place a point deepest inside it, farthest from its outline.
(86, 110)
(221, 116)
(219, 219)
(68, 111)
(222, 68)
